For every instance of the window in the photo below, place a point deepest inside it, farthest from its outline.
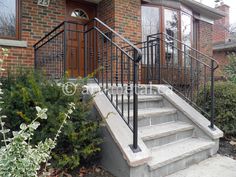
(186, 31)
(150, 21)
(150, 25)
(186, 28)
(79, 13)
(9, 23)
(171, 29)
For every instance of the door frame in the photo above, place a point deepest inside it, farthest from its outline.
(91, 10)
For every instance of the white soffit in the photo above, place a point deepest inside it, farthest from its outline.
(205, 19)
(94, 1)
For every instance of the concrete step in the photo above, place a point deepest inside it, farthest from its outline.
(141, 98)
(144, 102)
(147, 117)
(161, 134)
(144, 113)
(176, 156)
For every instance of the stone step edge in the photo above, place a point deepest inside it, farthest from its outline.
(171, 131)
(152, 167)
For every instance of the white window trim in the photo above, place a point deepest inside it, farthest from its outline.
(13, 43)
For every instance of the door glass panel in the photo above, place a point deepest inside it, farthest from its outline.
(171, 29)
(79, 13)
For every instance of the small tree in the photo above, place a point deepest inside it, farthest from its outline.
(230, 69)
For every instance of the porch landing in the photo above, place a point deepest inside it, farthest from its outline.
(216, 166)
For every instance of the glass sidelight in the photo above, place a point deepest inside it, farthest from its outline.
(171, 24)
(150, 21)
(186, 31)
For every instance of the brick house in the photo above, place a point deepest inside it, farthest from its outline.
(129, 43)
(224, 43)
(34, 21)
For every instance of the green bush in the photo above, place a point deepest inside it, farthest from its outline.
(79, 140)
(230, 69)
(225, 105)
(18, 157)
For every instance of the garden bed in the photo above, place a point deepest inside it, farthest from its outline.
(228, 147)
(94, 171)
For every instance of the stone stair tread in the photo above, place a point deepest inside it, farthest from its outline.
(142, 113)
(141, 98)
(162, 130)
(173, 152)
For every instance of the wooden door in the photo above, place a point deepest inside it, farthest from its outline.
(78, 13)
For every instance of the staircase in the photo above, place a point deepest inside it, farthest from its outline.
(145, 135)
(172, 133)
(172, 142)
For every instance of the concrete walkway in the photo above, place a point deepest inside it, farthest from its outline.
(217, 166)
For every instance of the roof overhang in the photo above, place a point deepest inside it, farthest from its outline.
(228, 46)
(199, 8)
(203, 9)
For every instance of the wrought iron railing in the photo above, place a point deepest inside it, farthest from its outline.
(95, 49)
(49, 53)
(167, 60)
(115, 68)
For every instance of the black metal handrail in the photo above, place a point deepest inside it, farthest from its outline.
(216, 64)
(103, 54)
(170, 61)
(117, 68)
(139, 53)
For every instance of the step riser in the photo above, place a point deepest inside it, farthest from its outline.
(143, 105)
(169, 139)
(181, 164)
(142, 122)
(154, 120)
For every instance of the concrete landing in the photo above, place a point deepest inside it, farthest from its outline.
(217, 166)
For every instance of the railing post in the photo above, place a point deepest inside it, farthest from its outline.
(35, 58)
(159, 59)
(147, 72)
(85, 51)
(212, 96)
(65, 46)
(135, 147)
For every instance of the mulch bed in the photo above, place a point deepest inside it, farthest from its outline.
(98, 172)
(228, 147)
(83, 172)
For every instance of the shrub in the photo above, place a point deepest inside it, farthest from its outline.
(79, 141)
(17, 156)
(225, 105)
(230, 69)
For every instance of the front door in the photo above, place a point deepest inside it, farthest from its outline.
(78, 13)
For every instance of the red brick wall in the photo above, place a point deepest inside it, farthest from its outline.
(205, 38)
(222, 58)
(128, 19)
(123, 16)
(36, 21)
(221, 35)
(128, 24)
(106, 12)
(221, 26)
